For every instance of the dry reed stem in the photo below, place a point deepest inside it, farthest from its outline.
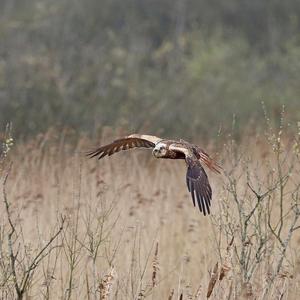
(225, 268)
(213, 280)
(198, 293)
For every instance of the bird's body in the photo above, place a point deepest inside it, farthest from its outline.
(196, 177)
(158, 151)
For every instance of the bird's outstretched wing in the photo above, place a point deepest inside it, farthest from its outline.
(196, 179)
(126, 143)
(198, 185)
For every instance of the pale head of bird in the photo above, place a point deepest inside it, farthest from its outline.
(160, 150)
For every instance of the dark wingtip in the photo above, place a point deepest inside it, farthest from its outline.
(200, 194)
(92, 153)
(203, 201)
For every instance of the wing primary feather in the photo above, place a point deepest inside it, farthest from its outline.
(207, 207)
(200, 196)
(188, 181)
(207, 197)
(193, 196)
(102, 155)
(92, 154)
(198, 201)
(200, 204)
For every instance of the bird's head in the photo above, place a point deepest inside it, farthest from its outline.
(160, 150)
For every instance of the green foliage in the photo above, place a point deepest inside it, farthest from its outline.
(184, 67)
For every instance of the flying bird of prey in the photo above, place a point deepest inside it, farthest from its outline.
(196, 178)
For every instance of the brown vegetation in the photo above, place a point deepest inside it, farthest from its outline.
(125, 227)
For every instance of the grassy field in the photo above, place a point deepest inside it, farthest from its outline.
(125, 227)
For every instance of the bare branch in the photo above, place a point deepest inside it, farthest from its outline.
(20, 288)
(37, 259)
(12, 255)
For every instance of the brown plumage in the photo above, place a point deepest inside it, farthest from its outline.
(196, 177)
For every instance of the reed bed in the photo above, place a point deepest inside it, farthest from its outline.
(125, 227)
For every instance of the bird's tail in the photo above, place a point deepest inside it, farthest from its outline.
(210, 163)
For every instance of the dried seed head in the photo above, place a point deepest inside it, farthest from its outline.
(224, 270)
(106, 284)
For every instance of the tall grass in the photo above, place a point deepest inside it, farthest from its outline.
(125, 227)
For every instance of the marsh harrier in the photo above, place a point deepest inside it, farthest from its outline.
(196, 178)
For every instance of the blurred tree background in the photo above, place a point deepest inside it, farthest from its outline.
(179, 67)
